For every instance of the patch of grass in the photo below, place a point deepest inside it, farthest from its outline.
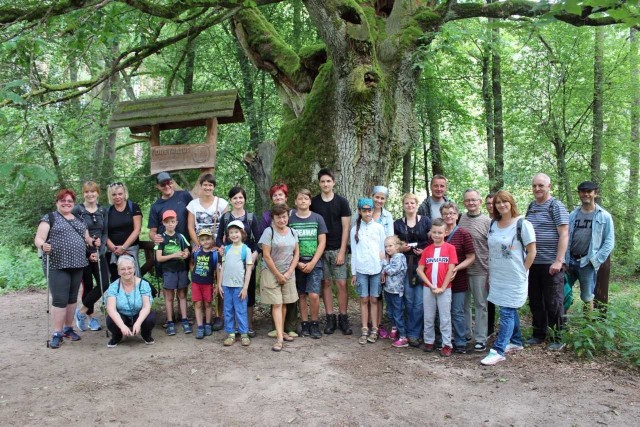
(20, 268)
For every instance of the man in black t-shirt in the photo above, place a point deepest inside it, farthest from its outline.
(170, 200)
(336, 213)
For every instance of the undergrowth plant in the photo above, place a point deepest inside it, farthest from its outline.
(20, 268)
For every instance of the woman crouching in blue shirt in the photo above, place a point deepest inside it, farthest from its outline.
(129, 305)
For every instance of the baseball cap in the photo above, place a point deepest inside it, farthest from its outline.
(587, 186)
(169, 214)
(205, 232)
(162, 177)
(236, 223)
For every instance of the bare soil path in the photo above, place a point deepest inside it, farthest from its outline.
(331, 381)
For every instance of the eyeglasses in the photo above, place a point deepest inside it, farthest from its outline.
(115, 184)
(471, 200)
(166, 183)
(66, 201)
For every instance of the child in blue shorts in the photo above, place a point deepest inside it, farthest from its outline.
(171, 254)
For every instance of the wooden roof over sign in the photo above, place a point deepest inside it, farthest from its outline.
(176, 112)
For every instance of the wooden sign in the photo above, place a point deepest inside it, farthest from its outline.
(179, 157)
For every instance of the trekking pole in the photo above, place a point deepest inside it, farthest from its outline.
(48, 296)
(104, 304)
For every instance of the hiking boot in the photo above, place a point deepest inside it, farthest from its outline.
(113, 343)
(373, 336)
(393, 335)
(186, 327)
(446, 351)
(330, 327)
(218, 323)
(207, 330)
(81, 320)
(315, 330)
(94, 324)
(245, 340)
(231, 338)
(414, 342)
(460, 349)
(400, 343)
(344, 324)
(200, 333)
(171, 328)
(554, 346)
(68, 332)
(363, 338)
(56, 340)
(305, 330)
(492, 358)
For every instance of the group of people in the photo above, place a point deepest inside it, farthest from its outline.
(440, 273)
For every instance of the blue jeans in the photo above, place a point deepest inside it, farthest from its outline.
(395, 312)
(587, 277)
(458, 319)
(414, 307)
(235, 309)
(509, 330)
(368, 285)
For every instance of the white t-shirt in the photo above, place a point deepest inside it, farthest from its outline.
(207, 217)
(507, 276)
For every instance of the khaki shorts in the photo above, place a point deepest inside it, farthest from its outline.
(330, 269)
(273, 293)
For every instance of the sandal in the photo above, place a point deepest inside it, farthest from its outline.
(287, 338)
(277, 346)
(373, 336)
(363, 337)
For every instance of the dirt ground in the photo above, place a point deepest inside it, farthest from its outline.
(331, 381)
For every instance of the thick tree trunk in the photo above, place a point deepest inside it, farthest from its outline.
(630, 219)
(48, 139)
(488, 115)
(406, 172)
(496, 83)
(598, 121)
(259, 163)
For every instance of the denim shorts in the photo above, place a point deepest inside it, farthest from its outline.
(309, 283)
(175, 279)
(330, 269)
(368, 285)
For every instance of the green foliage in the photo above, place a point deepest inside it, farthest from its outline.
(20, 268)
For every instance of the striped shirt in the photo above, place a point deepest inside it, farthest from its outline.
(546, 218)
(478, 226)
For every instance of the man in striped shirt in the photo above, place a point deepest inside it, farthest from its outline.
(550, 221)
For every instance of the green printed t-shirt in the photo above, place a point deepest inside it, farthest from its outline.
(169, 246)
(308, 231)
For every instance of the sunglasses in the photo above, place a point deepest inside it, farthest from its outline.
(166, 183)
(93, 217)
(115, 184)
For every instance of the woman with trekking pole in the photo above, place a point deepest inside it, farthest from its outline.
(95, 216)
(64, 239)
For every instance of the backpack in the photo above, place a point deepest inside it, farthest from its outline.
(227, 216)
(129, 206)
(183, 245)
(243, 254)
(552, 205)
(273, 232)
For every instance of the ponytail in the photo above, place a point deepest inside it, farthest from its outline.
(358, 221)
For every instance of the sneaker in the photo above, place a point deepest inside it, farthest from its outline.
(460, 349)
(208, 330)
(446, 351)
(81, 320)
(272, 334)
(393, 335)
(148, 340)
(314, 330)
(113, 343)
(382, 333)
(400, 343)
(293, 334)
(554, 346)
(251, 333)
(479, 347)
(533, 341)
(492, 358)
(68, 332)
(427, 348)
(373, 336)
(186, 327)
(512, 348)
(218, 323)
(305, 329)
(414, 342)
(245, 340)
(171, 328)
(439, 345)
(363, 338)
(56, 340)
(200, 333)
(94, 324)
(231, 338)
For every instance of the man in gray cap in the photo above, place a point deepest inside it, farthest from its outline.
(169, 200)
(591, 240)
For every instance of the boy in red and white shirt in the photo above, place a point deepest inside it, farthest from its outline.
(435, 269)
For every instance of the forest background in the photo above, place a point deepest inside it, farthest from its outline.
(387, 92)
